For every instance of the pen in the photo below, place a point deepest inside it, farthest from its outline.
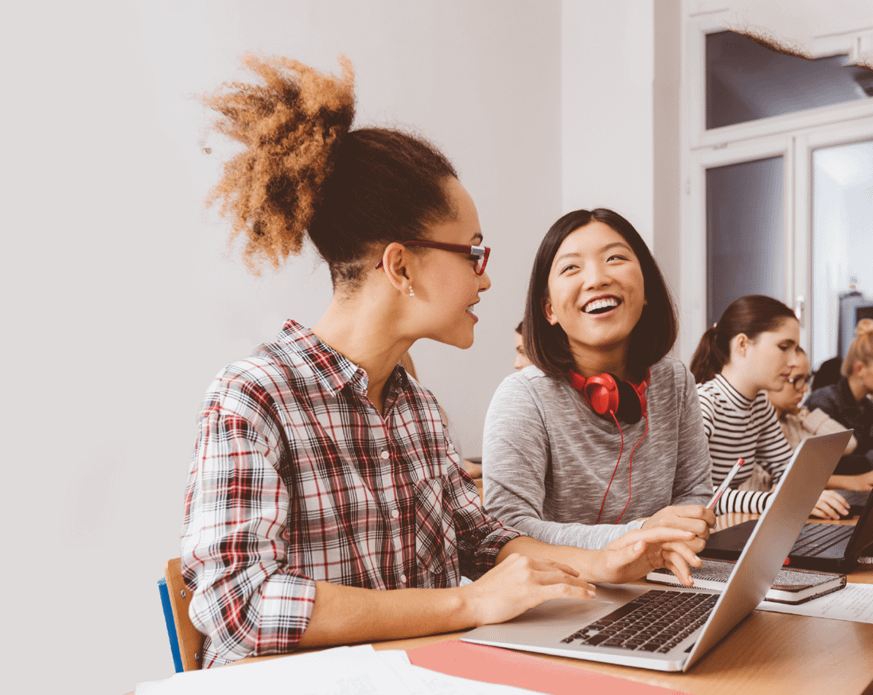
(725, 483)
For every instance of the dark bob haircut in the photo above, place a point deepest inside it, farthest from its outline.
(651, 339)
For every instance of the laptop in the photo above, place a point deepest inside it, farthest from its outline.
(857, 499)
(669, 629)
(821, 547)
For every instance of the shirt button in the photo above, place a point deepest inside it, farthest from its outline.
(395, 513)
(403, 579)
(385, 454)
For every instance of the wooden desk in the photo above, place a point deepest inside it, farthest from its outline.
(767, 653)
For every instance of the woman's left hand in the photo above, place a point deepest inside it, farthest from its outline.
(638, 552)
(831, 505)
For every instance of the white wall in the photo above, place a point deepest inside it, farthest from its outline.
(122, 301)
(607, 71)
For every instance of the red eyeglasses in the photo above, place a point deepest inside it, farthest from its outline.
(479, 254)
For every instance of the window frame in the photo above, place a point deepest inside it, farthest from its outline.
(783, 135)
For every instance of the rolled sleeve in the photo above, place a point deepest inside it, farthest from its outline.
(693, 481)
(245, 600)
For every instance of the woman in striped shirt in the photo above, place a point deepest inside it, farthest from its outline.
(753, 347)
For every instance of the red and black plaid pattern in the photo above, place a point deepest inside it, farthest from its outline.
(296, 477)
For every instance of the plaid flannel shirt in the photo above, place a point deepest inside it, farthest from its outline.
(296, 478)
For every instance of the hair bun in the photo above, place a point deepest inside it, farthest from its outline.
(864, 327)
(289, 125)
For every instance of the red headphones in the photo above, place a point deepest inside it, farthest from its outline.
(609, 395)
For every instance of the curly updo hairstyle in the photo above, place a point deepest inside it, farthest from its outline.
(303, 170)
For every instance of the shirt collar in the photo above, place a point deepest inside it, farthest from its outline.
(738, 399)
(333, 370)
(330, 368)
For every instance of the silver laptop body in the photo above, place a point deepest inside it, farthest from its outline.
(547, 627)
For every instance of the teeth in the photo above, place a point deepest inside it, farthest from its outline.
(608, 303)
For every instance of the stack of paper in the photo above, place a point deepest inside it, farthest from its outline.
(343, 671)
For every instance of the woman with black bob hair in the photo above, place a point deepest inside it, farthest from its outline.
(605, 434)
(325, 501)
(654, 334)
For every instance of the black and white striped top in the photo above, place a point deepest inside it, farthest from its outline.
(737, 427)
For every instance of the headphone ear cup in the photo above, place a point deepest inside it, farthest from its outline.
(602, 393)
(631, 403)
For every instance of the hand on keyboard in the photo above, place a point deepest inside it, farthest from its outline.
(831, 505)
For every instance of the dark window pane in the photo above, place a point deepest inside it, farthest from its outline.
(745, 234)
(746, 81)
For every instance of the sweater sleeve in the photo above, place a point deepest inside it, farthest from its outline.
(693, 481)
(732, 500)
(516, 455)
(707, 412)
(743, 501)
(819, 422)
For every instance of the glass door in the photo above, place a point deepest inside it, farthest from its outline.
(841, 223)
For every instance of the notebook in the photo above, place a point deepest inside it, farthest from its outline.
(793, 586)
(822, 547)
(671, 629)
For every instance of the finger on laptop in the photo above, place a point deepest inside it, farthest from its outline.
(677, 560)
(831, 505)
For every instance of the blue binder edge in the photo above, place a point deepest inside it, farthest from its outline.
(171, 625)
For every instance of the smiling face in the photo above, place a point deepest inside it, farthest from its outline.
(596, 293)
(788, 398)
(446, 284)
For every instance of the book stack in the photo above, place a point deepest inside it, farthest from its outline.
(790, 586)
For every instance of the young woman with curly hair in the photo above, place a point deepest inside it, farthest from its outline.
(325, 502)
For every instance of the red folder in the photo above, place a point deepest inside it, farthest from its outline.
(506, 667)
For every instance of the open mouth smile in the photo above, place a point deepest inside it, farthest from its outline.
(601, 305)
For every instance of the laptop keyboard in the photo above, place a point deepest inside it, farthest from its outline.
(653, 622)
(816, 538)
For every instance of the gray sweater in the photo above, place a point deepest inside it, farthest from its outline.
(547, 457)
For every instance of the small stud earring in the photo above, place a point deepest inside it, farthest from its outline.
(411, 291)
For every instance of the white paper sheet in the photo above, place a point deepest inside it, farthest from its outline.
(853, 603)
(340, 671)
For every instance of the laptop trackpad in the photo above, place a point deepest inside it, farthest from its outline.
(557, 618)
(566, 611)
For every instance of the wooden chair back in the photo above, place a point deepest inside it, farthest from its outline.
(189, 638)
